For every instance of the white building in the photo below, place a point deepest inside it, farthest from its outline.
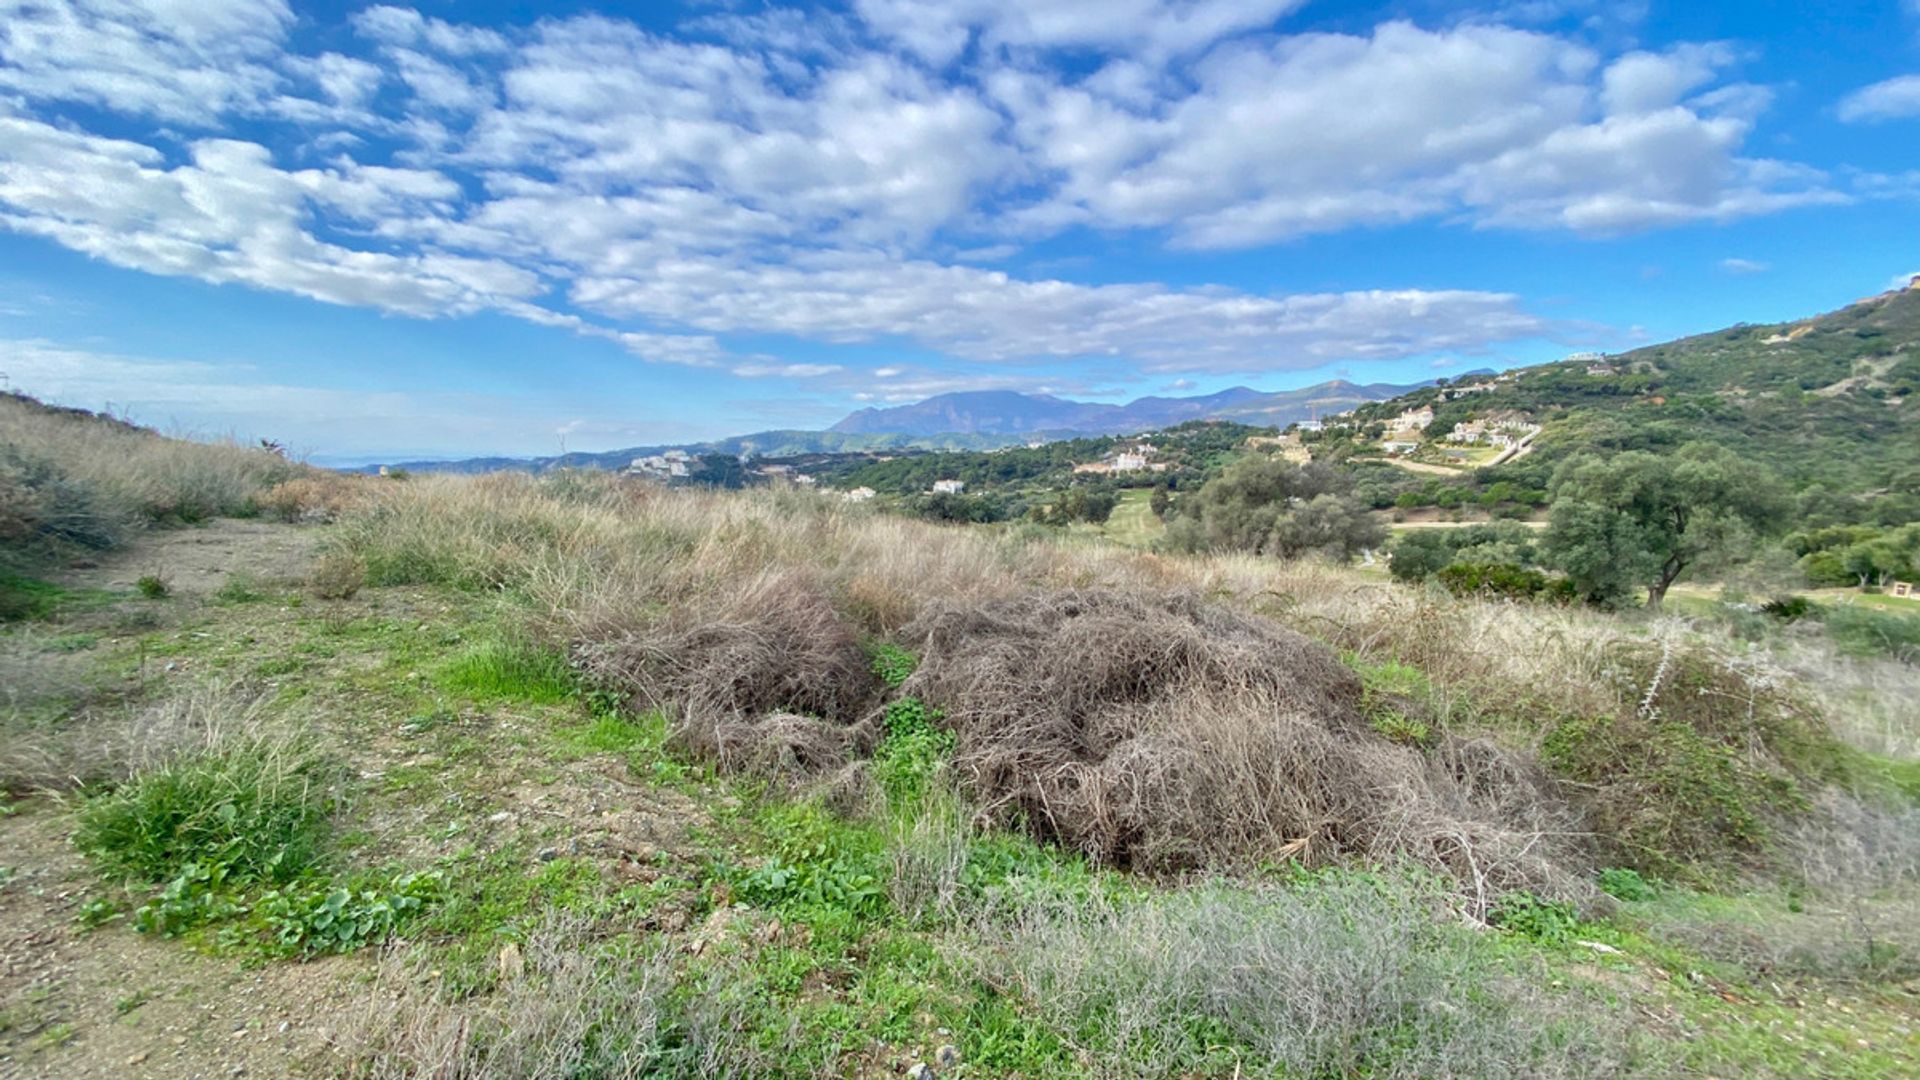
(1414, 419)
(857, 495)
(1129, 462)
(949, 487)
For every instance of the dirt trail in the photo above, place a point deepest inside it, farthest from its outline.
(199, 560)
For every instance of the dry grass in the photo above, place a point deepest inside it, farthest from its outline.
(1354, 976)
(107, 743)
(1158, 731)
(1161, 711)
(566, 1008)
(94, 477)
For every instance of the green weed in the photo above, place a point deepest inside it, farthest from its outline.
(893, 664)
(510, 670)
(152, 586)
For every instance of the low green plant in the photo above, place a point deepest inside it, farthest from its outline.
(893, 664)
(239, 589)
(820, 865)
(1397, 727)
(325, 917)
(25, 597)
(914, 750)
(152, 586)
(1550, 922)
(1623, 883)
(508, 669)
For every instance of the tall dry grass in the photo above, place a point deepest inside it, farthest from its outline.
(88, 477)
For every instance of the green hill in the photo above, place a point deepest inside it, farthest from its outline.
(1828, 404)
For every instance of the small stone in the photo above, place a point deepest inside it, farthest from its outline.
(135, 1059)
(920, 1070)
(548, 854)
(948, 1056)
(284, 1025)
(497, 818)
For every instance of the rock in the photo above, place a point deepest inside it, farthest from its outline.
(136, 1059)
(948, 1056)
(548, 854)
(920, 1070)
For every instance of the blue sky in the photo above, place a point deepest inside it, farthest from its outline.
(383, 231)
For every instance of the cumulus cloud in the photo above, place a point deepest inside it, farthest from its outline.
(1893, 99)
(841, 180)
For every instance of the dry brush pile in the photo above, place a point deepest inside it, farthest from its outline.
(1163, 713)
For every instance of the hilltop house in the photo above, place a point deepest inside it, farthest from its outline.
(949, 487)
(857, 495)
(1414, 419)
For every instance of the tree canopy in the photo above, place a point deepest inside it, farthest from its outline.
(1637, 520)
(1271, 506)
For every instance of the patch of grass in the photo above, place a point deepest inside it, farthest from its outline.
(26, 598)
(152, 586)
(257, 806)
(913, 752)
(505, 669)
(239, 589)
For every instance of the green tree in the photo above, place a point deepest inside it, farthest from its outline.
(1639, 520)
(1273, 507)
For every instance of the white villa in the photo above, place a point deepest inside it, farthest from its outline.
(949, 487)
(857, 495)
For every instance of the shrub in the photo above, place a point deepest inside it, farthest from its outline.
(337, 575)
(1789, 608)
(152, 586)
(1692, 777)
(1504, 580)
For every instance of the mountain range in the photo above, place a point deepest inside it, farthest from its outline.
(984, 420)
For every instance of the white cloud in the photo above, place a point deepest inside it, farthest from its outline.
(1744, 266)
(939, 30)
(184, 61)
(1893, 99)
(1321, 132)
(789, 176)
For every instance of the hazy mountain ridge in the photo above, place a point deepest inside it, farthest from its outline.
(976, 420)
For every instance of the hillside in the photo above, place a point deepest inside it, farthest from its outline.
(1828, 403)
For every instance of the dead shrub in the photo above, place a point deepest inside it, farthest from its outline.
(337, 575)
(1157, 731)
(764, 674)
(313, 498)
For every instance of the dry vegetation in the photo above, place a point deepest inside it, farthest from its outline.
(1149, 711)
